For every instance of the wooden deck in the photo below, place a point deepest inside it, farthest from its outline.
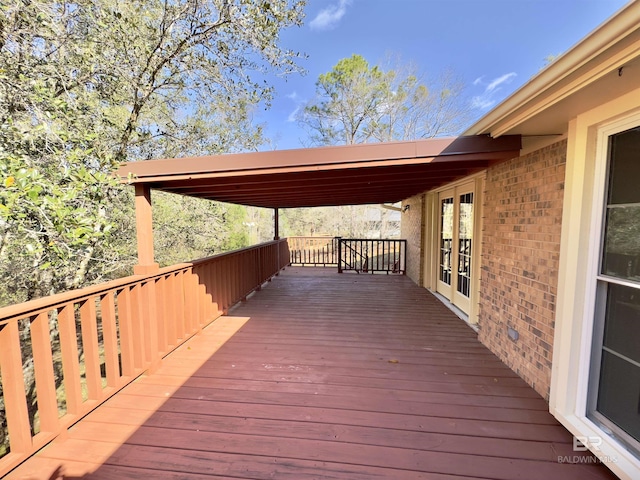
(323, 376)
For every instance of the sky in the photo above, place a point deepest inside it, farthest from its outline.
(495, 46)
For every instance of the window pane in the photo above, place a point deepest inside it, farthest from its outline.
(622, 326)
(619, 393)
(624, 169)
(621, 255)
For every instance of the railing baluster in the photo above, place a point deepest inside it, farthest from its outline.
(126, 332)
(110, 339)
(15, 402)
(189, 306)
(137, 324)
(180, 298)
(203, 310)
(70, 361)
(170, 301)
(89, 328)
(44, 376)
(161, 313)
(211, 308)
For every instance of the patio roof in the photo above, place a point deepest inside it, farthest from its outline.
(324, 176)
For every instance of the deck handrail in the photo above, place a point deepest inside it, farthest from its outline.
(80, 347)
(313, 250)
(369, 255)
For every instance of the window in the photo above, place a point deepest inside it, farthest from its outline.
(614, 392)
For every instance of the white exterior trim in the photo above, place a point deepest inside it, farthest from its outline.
(586, 170)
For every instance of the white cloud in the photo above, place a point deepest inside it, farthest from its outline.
(490, 96)
(293, 116)
(329, 17)
(299, 104)
(482, 103)
(506, 78)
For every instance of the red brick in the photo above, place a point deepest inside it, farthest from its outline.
(520, 254)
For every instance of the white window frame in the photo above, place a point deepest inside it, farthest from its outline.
(585, 185)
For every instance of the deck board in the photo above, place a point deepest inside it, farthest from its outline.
(323, 376)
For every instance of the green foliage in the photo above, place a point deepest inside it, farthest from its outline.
(180, 234)
(348, 221)
(359, 103)
(87, 84)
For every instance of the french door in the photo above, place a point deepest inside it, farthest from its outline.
(456, 244)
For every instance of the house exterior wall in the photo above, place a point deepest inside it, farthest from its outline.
(520, 260)
(411, 229)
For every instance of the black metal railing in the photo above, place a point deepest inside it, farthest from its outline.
(372, 255)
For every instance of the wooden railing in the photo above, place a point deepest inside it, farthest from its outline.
(63, 355)
(372, 256)
(315, 251)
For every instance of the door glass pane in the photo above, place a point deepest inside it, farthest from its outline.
(465, 236)
(446, 239)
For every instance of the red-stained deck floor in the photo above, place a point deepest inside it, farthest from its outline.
(323, 376)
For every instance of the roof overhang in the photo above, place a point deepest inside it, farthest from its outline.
(325, 176)
(601, 67)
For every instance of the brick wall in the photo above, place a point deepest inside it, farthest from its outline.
(521, 245)
(411, 229)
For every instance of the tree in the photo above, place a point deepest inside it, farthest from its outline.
(359, 103)
(181, 234)
(348, 221)
(87, 84)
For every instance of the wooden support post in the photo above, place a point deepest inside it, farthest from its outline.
(276, 224)
(146, 264)
(276, 236)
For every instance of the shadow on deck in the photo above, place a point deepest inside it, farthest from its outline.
(321, 375)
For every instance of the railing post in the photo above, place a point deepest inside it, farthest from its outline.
(339, 239)
(403, 245)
